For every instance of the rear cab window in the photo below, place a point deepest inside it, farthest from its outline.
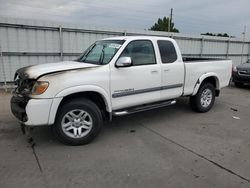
(167, 51)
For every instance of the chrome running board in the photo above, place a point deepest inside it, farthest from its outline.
(144, 107)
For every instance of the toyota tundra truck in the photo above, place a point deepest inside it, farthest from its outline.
(114, 77)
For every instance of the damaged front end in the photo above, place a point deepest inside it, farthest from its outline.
(21, 95)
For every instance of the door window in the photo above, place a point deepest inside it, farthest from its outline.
(141, 52)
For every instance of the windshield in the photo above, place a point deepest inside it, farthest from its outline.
(101, 52)
(248, 61)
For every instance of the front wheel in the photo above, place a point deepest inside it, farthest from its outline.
(78, 122)
(204, 99)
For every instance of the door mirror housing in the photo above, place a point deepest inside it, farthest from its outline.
(123, 62)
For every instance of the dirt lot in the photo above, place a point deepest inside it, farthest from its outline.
(167, 147)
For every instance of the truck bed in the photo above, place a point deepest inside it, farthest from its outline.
(196, 67)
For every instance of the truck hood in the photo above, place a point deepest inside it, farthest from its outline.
(35, 71)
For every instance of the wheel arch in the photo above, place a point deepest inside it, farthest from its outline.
(96, 94)
(208, 78)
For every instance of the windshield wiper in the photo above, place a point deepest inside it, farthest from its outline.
(84, 57)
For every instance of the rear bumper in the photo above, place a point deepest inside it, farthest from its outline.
(240, 78)
(31, 112)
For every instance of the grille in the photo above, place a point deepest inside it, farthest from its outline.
(244, 72)
(24, 86)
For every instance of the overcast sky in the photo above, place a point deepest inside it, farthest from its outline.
(190, 16)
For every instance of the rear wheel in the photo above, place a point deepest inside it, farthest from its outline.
(204, 99)
(78, 122)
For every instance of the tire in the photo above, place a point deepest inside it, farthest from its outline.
(238, 84)
(204, 99)
(78, 122)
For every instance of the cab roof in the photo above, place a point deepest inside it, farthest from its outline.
(136, 37)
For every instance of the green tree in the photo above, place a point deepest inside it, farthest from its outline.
(218, 34)
(163, 25)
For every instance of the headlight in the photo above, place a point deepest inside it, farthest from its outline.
(234, 69)
(40, 87)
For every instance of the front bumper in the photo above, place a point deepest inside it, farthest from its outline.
(240, 78)
(32, 112)
(18, 105)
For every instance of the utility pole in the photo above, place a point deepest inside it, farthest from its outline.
(171, 18)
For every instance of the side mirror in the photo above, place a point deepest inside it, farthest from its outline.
(124, 62)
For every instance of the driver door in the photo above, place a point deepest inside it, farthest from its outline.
(137, 84)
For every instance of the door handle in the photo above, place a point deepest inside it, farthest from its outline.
(166, 70)
(154, 71)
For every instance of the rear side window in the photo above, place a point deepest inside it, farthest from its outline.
(141, 52)
(167, 51)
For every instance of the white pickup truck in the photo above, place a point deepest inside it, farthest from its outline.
(114, 77)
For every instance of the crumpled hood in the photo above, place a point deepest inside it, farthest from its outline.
(35, 71)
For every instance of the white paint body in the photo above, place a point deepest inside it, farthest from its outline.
(106, 79)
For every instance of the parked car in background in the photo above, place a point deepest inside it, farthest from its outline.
(241, 74)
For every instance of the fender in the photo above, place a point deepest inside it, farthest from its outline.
(202, 78)
(76, 89)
